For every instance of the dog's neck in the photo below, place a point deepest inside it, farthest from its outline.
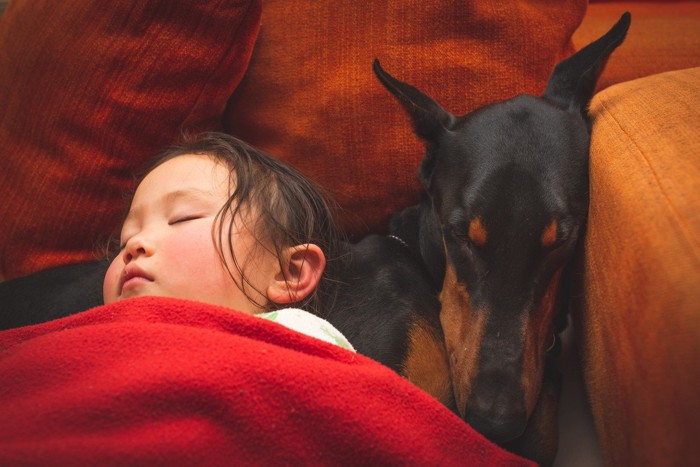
(400, 240)
(419, 230)
(430, 243)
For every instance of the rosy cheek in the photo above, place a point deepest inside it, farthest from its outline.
(189, 246)
(111, 281)
(191, 252)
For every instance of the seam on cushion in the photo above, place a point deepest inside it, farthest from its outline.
(235, 38)
(681, 220)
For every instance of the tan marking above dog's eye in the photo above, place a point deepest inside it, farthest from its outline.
(477, 232)
(549, 235)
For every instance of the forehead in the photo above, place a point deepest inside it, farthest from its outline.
(189, 171)
(523, 144)
(524, 127)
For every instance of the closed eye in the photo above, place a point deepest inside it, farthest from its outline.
(557, 244)
(180, 220)
(463, 237)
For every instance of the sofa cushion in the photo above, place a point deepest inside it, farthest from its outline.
(88, 89)
(310, 96)
(639, 316)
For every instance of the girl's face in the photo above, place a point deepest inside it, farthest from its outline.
(168, 246)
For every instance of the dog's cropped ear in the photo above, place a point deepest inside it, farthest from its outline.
(429, 119)
(573, 80)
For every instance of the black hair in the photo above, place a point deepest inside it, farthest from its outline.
(291, 209)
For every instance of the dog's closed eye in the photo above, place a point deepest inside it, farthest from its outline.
(473, 234)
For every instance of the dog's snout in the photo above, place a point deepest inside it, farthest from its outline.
(496, 407)
(498, 430)
(496, 420)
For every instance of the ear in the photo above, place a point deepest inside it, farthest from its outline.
(573, 80)
(300, 270)
(429, 119)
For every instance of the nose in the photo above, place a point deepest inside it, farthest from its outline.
(138, 245)
(496, 407)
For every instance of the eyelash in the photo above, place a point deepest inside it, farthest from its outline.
(183, 219)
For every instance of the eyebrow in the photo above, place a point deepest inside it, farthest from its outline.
(195, 193)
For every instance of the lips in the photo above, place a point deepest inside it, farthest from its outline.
(134, 275)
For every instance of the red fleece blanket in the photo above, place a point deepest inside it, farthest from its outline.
(163, 381)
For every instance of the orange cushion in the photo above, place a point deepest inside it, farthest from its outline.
(640, 307)
(311, 98)
(663, 37)
(641, 1)
(88, 89)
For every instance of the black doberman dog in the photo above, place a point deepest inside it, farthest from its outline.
(474, 299)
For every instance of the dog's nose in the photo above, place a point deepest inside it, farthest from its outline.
(497, 410)
(499, 430)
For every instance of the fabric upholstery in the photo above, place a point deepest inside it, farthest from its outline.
(311, 98)
(663, 37)
(88, 90)
(639, 314)
(641, 1)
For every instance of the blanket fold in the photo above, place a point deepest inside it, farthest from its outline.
(164, 381)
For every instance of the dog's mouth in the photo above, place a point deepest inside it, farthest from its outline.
(496, 406)
(499, 430)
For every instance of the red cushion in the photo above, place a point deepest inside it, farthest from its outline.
(88, 90)
(310, 96)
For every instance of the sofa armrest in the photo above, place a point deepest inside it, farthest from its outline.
(638, 312)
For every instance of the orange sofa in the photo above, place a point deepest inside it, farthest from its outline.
(81, 111)
(637, 303)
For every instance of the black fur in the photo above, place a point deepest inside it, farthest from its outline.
(382, 289)
(51, 294)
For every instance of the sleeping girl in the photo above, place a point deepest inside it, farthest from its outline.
(218, 221)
